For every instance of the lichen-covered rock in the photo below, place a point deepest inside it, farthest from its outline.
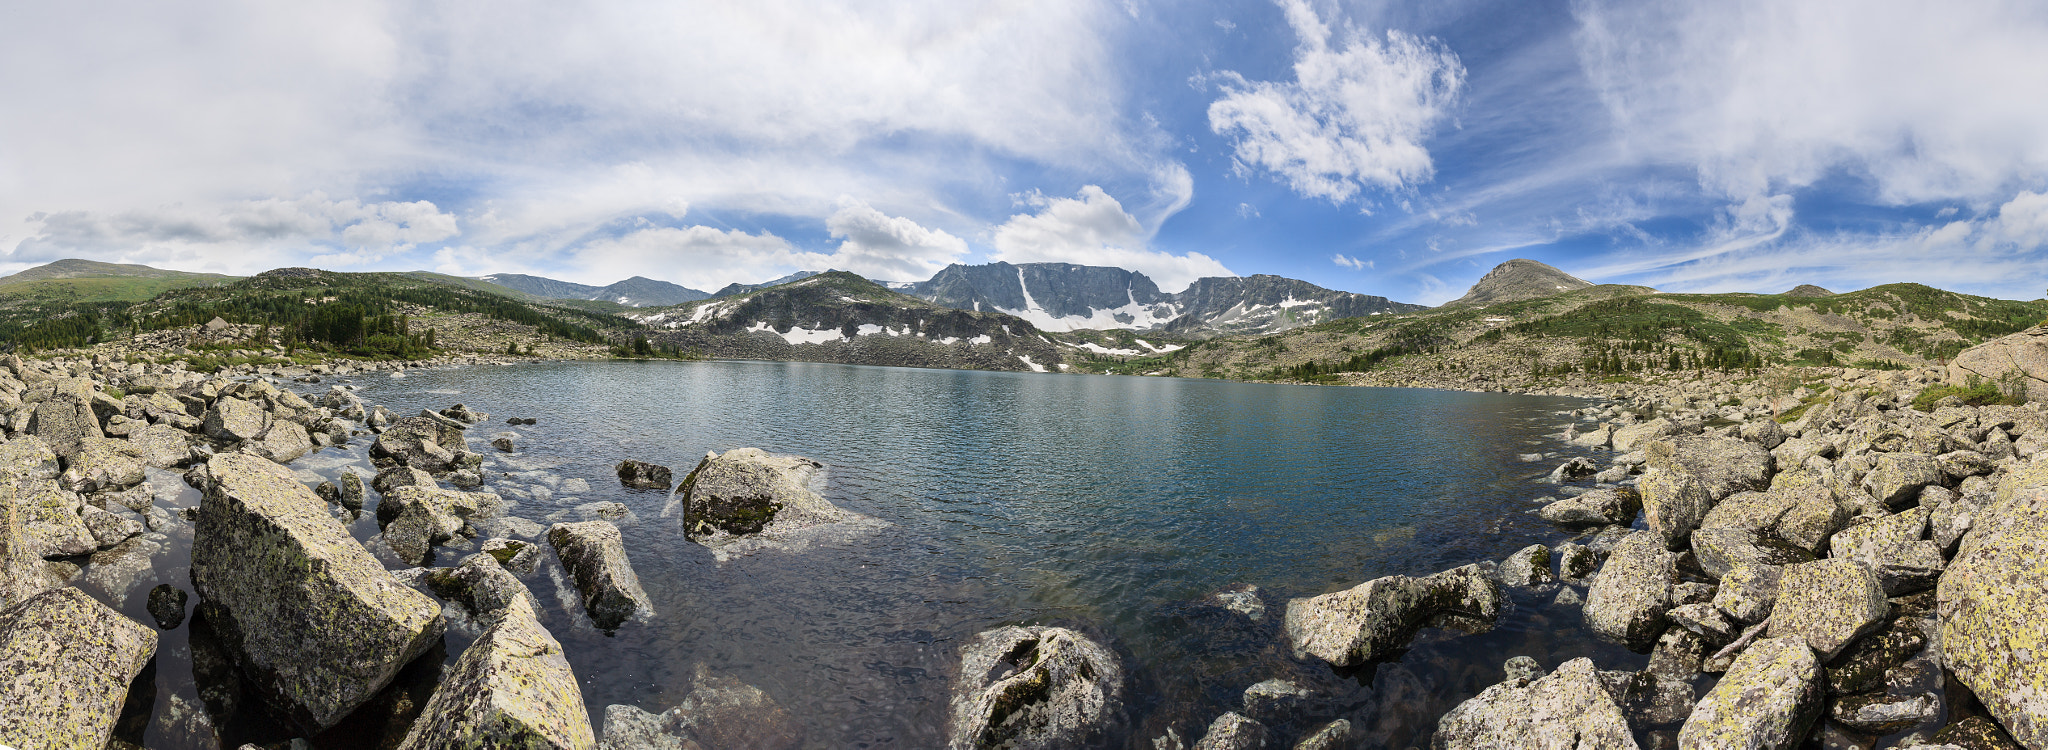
(51, 520)
(1748, 592)
(1723, 466)
(1993, 636)
(1631, 438)
(641, 475)
(1569, 709)
(1577, 467)
(1632, 593)
(108, 529)
(1973, 733)
(65, 665)
(66, 417)
(1527, 568)
(1723, 550)
(1803, 516)
(103, 464)
(1862, 666)
(422, 442)
(595, 556)
(314, 622)
(482, 586)
(2023, 356)
(235, 420)
(1829, 603)
(1035, 688)
(1674, 504)
(351, 490)
(744, 490)
(400, 476)
(514, 555)
(1899, 477)
(503, 441)
(1601, 507)
(26, 458)
(1366, 623)
(1706, 621)
(425, 517)
(1767, 700)
(162, 446)
(511, 688)
(284, 442)
(1332, 736)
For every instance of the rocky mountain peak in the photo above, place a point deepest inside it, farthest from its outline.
(1808, 290)
(1519, 279)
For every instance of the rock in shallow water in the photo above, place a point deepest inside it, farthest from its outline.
(314, 622)
(641, 475)
(512, 688)
(65, 665)
(1632, 593)
(1368, 622)
(1035, 688)
(595, 556)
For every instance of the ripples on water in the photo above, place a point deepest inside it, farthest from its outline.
(1107, 503)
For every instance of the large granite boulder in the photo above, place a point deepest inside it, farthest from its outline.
(309, 617)
(511, 688)
(1565, 710)
(1723, 466)
(744, 490)
(595, 556)
(65, 417)
(28, 457)
(2021, 357)
(1829, 603)
(1993, 636)
(1767, 700)
(1674, 504)
(102, 464)
(1035, 688)
(1803, 515)
(641, 475)
(1723, 549)
(162, 446)
(1633, 592)
(1899, 477)
(51, 520)
(284, 442)
(415, 518)
(65, 665)
(1631, 438)
(1375, 619)
(1234, 731)
(234, 420)
(1601, 507)
(423, 442)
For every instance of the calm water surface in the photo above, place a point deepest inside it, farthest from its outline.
(1111, 504)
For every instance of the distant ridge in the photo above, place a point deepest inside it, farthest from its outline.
(74, 280)
(1068, 297)
(1517, 280)
(1808, 290)
(638, 291)
(735, 289)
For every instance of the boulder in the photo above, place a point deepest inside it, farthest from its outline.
(1748, 592)
(1527, 568)
(401, 476)
(162, 446)
(640, 475)
(1233, 731)
(234, 420)
(284, 442)
(1601, 507)
(1576, 561)
(1721, 550)
(424, 442)
(511, 688)
(1577, 467)
(1829, 603)
(1376, 619)
(503, 441)
(67, 662)
(1899, 477)
(480, 585)
(744, 490)
(1674, 504)
(1723, 466)
(311, 619)
(51, 522)
(1863, 666)
(28, 458)
(108, 529)
(1565, 710)
(1803, 516)
(66, 417)
(102, 464)
(1993, 636)
(1035, 687)
(2021, 358)
(1332, 736)
(1767, 700)
(516, 556)
(1632, 593)
(351, 490)
(595, 556)
(1631, 438)
(1764, 432)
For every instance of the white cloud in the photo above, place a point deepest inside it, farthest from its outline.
(891, 248)
(1931, 101)
(1350, 262)
(1094, 229)
(1354, 117)
(241, 237)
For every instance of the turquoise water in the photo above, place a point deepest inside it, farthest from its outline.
(1111, 504)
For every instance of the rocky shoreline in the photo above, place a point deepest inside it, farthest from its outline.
(1865, 574)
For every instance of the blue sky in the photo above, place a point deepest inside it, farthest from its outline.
(1391, 148)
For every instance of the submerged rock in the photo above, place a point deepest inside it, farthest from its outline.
(1233, 731)
(641, 475)
(718, 711)
(1367, 623)
(167, 606)
(1567, 709)
(512, 688)
(65, 665)
(1993, 636)
(595, 556)
(1035, 688)
(314, 622)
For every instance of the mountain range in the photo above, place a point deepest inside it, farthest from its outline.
(638, 291)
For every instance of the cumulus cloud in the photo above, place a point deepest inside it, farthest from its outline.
(1761, 97)
(886, 247)
(241, 237)
(1094, 229)
(1354, 117)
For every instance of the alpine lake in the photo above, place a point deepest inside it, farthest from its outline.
(1116, 506)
